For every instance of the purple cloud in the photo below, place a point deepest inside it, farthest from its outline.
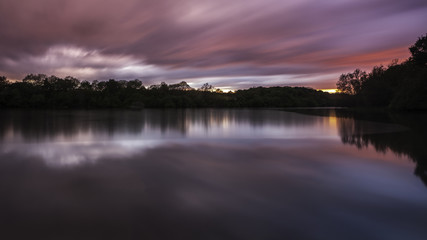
(205, 39)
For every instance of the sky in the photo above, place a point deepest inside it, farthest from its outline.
(231, 44)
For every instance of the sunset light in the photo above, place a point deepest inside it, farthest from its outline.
(213, 119)
(329, 90)
(302, 42)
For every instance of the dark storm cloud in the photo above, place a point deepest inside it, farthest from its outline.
(220, 38)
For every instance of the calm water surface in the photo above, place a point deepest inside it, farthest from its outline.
(212, 174)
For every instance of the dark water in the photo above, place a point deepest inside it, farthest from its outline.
(212, 174)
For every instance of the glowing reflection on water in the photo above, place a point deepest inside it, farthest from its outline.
(208, 174)
(67, 138)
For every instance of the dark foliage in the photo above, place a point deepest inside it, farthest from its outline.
(351, 83)
(41, 91)
(419, 51)
(281, 97)
(398, 86)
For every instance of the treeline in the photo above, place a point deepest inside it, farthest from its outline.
(398, 86)
(41, 91)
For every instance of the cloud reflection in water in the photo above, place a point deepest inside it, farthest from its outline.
(67, 138)
(201, 174)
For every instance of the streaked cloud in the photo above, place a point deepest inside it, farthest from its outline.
(205, 39)
(65, 60)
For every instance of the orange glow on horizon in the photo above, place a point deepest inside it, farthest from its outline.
(329, 90)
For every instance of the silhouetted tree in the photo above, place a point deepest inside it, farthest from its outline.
(41, 91)
(400, 86)
(85, 85)
(134, 84)
(419, 51)
(3, 82)
(35, 79)
(351, 83)
(183, 86)
(163, 86)
(376, 90)
(206, 87)
(98, 85)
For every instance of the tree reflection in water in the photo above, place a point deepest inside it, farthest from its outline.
(410, 142)
(215, 174)
(402, 133)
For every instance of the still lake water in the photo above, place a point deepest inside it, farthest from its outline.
(212, 174)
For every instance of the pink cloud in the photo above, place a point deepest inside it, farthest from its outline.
(250, 38)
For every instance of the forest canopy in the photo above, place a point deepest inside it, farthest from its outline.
(42, 91)
(397, 86)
